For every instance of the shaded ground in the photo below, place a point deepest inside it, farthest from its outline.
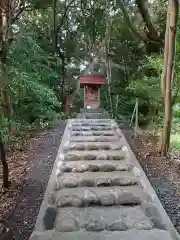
(37, 161)
(164, 174)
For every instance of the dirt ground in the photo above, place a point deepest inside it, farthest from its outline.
(29, 174)
(164, 174)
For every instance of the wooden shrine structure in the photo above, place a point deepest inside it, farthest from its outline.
(92, 84)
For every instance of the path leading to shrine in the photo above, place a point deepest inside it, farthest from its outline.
(97, 190)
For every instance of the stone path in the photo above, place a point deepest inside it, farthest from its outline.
(97, 190)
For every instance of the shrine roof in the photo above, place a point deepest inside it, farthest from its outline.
(92, 79)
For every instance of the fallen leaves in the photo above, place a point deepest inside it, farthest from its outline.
(19, 164)
(145, 147)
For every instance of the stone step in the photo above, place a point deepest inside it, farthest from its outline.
(96, 166)
(93, 133)
(101, 196)
(91, 128)
(94, 139)
(92, 121)
(154, 234)
(95, 146)
(87, 124)
(98, 110)
(98, 191)
(97, 219)
(94, 155)
(93, 115)
(92, 179)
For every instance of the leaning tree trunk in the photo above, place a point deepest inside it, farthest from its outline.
(143, 10)
(173, 8)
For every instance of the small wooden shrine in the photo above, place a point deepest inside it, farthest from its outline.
(92, 84)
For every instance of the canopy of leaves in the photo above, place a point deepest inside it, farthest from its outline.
(82, 31)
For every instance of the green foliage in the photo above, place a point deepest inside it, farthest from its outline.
(35, 67)
(148, 86)
(3, 127)
(39, 4)
(32, 80)
(34, 77)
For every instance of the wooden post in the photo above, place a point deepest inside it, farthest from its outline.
(135, 114)
(84, 96)
(68, 102)
(136, 120)
(117, 102)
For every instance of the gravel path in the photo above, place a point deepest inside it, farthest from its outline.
(163, 174)
(35, 182)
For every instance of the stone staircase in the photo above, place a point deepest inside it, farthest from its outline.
(93, 113)
(98, 191)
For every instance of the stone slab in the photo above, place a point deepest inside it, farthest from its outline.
(95, 155)
(93, 133)
(102, 218)
(91, 179)
(94, 139)
(93, 124)
(153, 234)
(130, 195)
(91, 128)
(91, 110)
(98, 165)
(91, 121)
(94, 146)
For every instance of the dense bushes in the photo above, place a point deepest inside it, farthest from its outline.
(34, 77)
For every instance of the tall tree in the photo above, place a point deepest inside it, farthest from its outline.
(168, 73)
(10, 12)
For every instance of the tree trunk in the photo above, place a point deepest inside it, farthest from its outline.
(9, 13)
(9, 110)
(143, 9)
(108, 72)
(63, 77)
(4, 164)
(173, 7)
(5, 30)
(166, 50)
(54, 27)
(133, 29)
